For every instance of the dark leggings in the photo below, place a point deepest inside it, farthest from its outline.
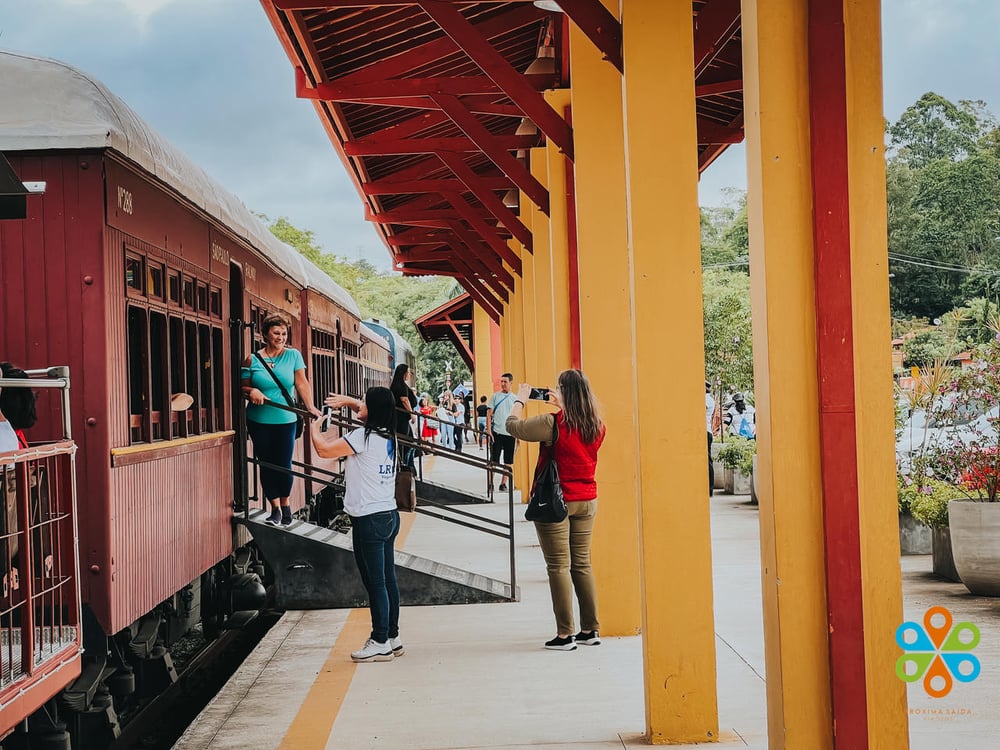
(274, 443)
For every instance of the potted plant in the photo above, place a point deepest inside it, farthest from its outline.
(928, 503)
(736, 456)
(967, 456)
(915, 536)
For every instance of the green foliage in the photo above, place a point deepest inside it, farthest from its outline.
(725, 238)
(925, 347)
(737, 454)
(391, 298)
(943, 191)
(929, 503)
(728, 334)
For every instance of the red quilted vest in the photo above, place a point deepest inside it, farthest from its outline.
(577, 462)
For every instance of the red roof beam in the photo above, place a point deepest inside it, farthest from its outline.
(390, 186)
(599, 26)
(519, 16)
(489, 234)
(469, 124)
(482, 188)
(711, 133)
(514, 83)
(478, 103)
(377, 145)
(476, 290)
(486, 258)
(339, 91)
(718, 88)
(714, 26)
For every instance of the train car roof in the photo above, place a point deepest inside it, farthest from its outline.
(49, 105)
(374, 335)
(398, 340)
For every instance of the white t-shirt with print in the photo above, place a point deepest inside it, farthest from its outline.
(8, 438)
(370, 474)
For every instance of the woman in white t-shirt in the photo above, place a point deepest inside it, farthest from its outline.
(370, 501)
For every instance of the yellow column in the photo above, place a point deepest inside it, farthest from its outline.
(543, 312)
(559, 240)
(676, 553)
(882, 584)
(606, 326)
(779, 198)
(483, 350)
(527, 453)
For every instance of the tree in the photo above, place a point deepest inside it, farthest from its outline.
(728, 335)
(725, 238)
(925, 347)
(933, 128)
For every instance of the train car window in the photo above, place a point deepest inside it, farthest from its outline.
(202, 298)
(205, 363)
(188, 292)
(178, 421)
(193, 379)
(218, 378)
(174, 288)
(215, 302)
(135, 278)
(138, 375)
(159, 375)
(154, 280)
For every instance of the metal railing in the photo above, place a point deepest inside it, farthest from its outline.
(440, 511)
(40, 597)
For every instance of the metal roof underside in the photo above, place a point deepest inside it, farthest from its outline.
(423, 100)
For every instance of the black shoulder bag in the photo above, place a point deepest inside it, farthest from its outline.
(300, 423)
(547, 504)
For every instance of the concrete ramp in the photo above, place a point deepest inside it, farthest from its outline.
(314, 568)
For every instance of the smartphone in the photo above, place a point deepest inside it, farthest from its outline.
(539, 394)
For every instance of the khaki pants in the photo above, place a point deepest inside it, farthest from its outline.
(566, 547)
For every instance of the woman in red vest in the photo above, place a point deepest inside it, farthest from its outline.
(579, 433)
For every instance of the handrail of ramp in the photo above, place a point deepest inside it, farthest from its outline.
(327, 478)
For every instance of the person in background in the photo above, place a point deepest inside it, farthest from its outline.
(709, 413)
(741, 418)
(370, 501)
(458, 416)
(498, 409)
(18, 405)
(446, 426)
(430, 430)
(406, 399)
(481, 412)
(271, 429)
(566, 545)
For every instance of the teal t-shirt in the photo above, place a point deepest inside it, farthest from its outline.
(285, 365)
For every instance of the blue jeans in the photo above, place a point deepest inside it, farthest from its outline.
(373, 537)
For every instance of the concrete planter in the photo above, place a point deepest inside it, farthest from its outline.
(943, 563)
(736, 482)
(720, 470)
(914, 537)
(975, 543)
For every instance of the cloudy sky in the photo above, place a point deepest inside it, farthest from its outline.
(211, 77)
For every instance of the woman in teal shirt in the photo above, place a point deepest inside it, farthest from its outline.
(272, 429)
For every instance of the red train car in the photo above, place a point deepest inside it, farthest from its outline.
(147, 278)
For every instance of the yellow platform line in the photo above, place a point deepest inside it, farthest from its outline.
(312, 725)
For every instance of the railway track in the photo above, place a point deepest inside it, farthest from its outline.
(158, 724)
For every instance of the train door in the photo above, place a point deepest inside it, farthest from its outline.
(237, 336)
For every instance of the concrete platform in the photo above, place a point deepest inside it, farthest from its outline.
(476, 676)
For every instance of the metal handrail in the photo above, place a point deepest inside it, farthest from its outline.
(422, 446)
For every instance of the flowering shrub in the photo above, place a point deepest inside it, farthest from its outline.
(966, 455)
(929, 503)
(737, 454)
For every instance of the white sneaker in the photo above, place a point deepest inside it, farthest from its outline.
(373, 651)
(397, 647)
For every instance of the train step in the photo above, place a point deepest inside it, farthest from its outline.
(314, 568)
(448, 495)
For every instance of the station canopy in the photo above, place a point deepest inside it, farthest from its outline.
(453, 321)
(433, 106)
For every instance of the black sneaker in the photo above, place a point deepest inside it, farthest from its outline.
(286, 515)
(588, 638)
(275, 518)
(561, 644)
